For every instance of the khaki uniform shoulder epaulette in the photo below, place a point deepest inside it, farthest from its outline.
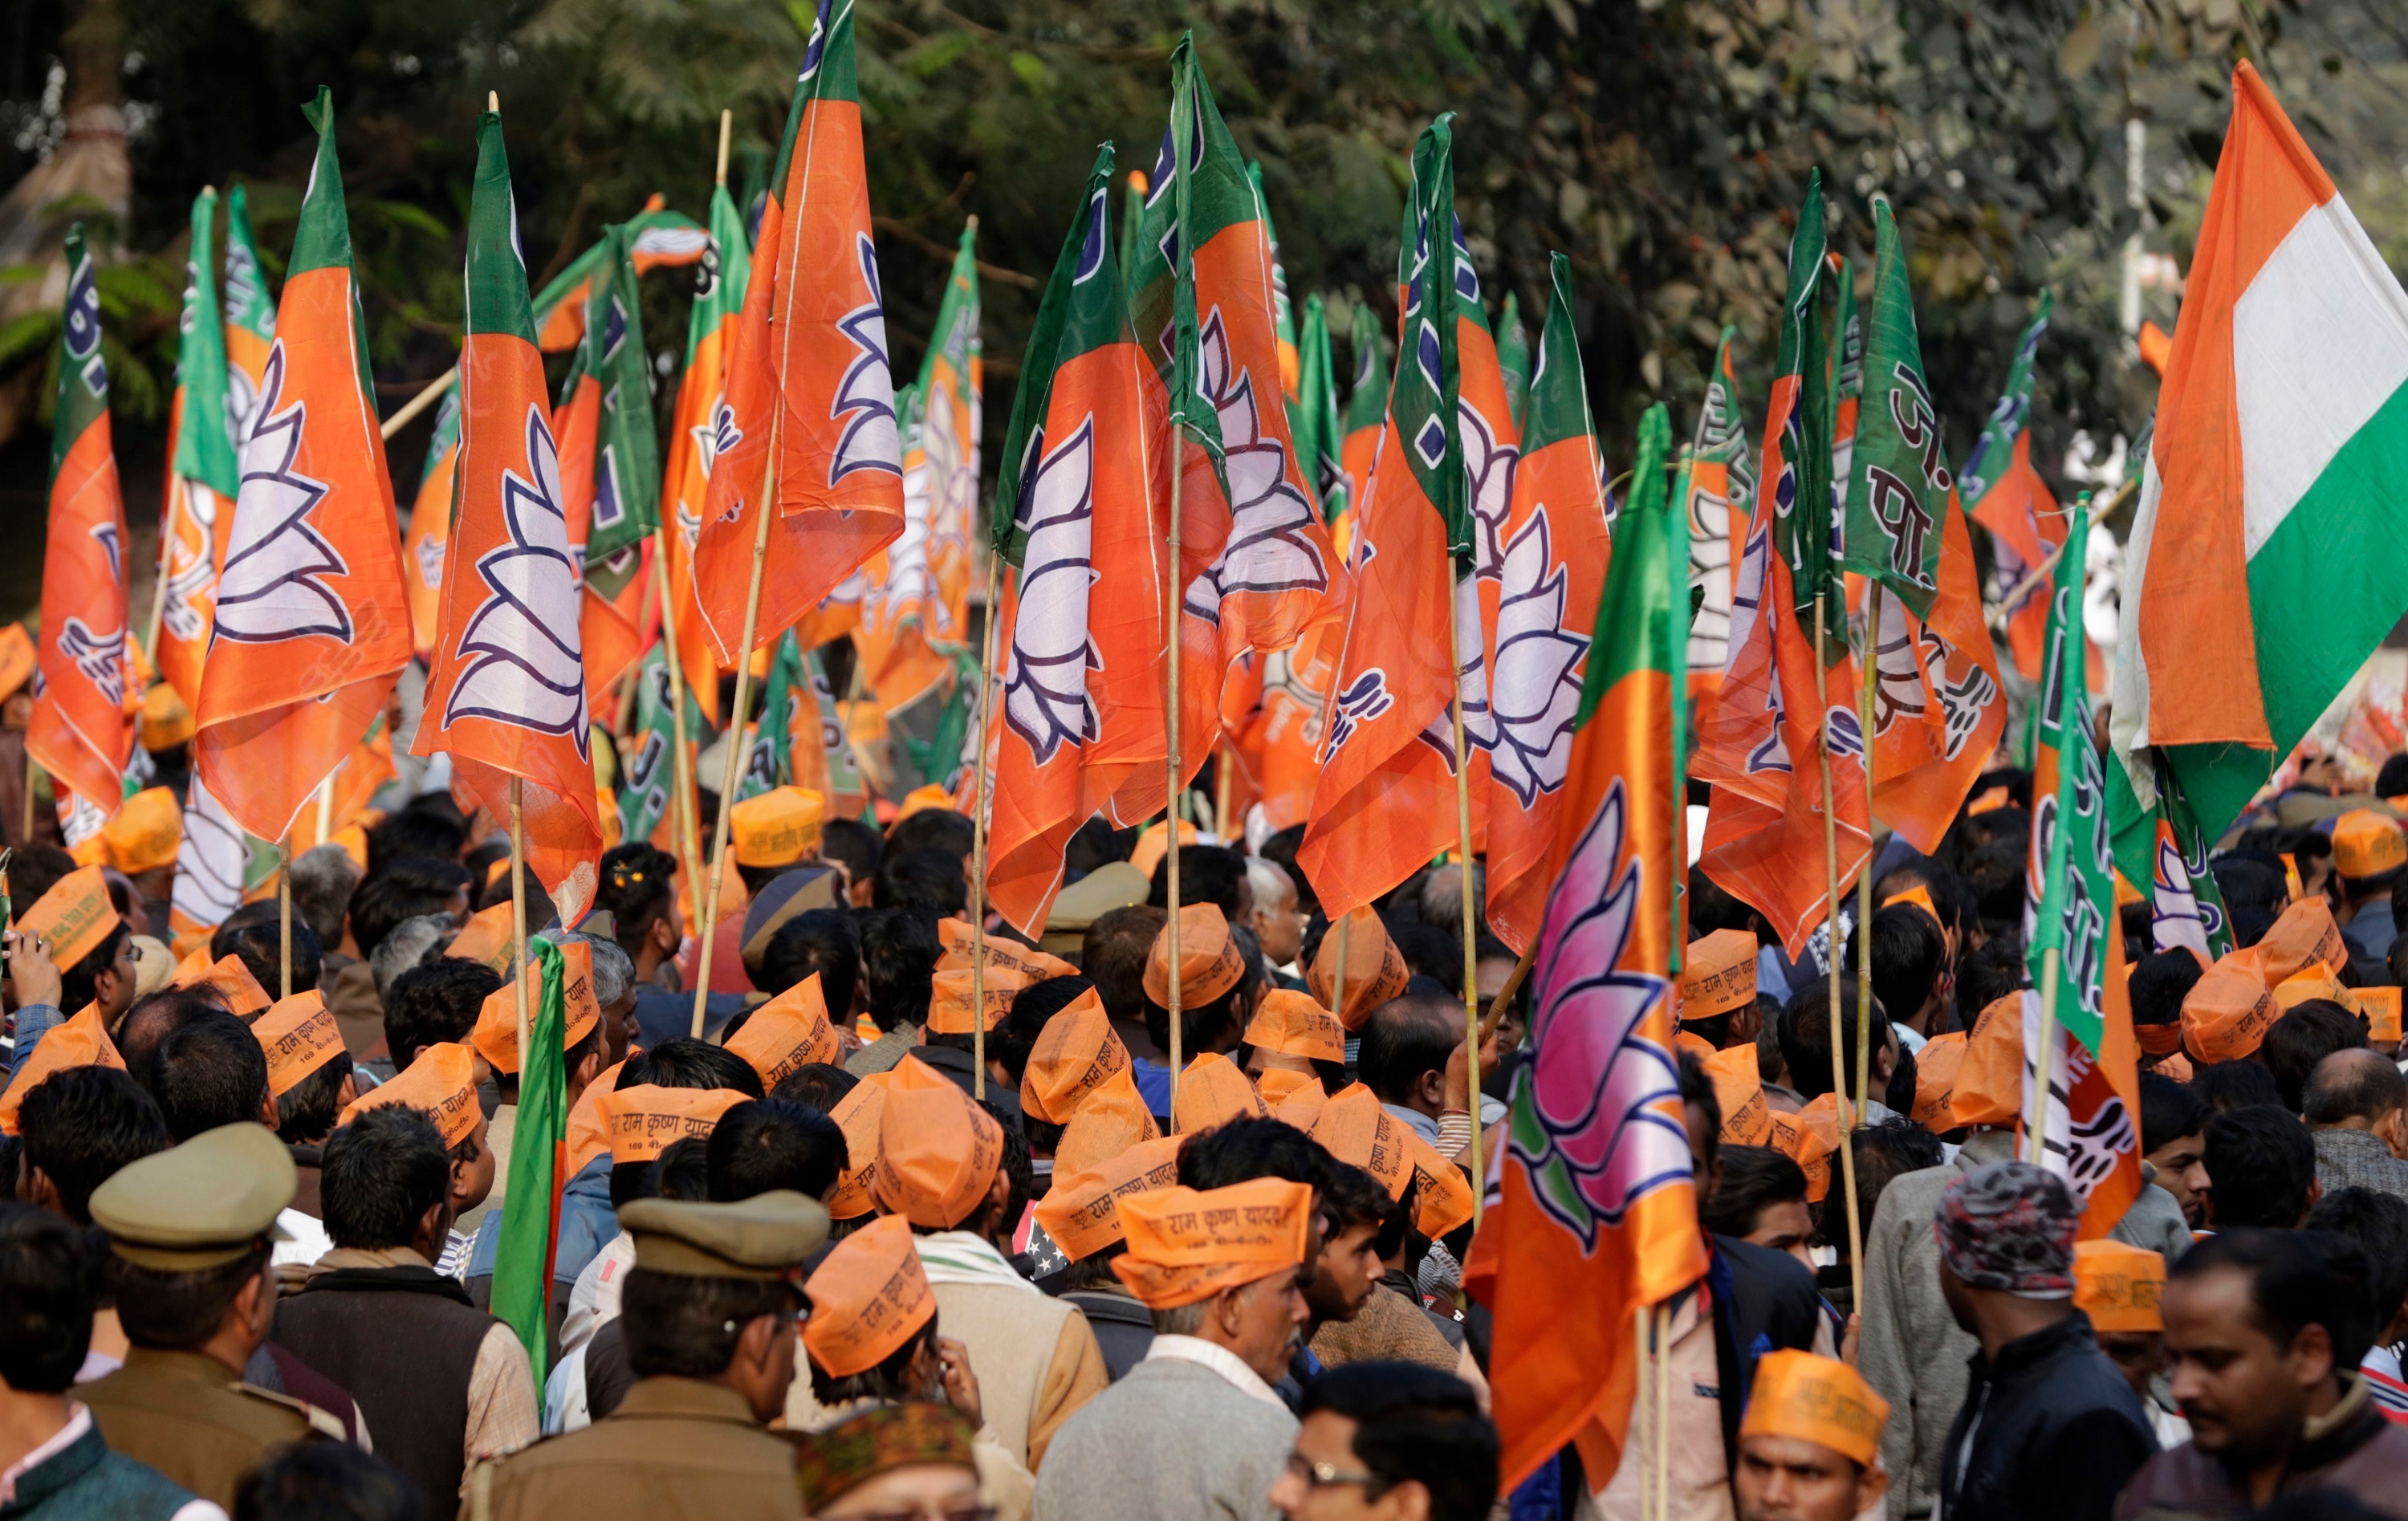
(322, 1423)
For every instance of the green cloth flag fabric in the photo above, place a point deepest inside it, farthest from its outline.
(1320, 446)
(248, 305)
(523, 1264)
(646, 787)
(2076, 896)
(626, 456)
(769, 763)
(1899, 476)
(204, 450)
(1802, 497)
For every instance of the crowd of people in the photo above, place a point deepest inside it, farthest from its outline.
(890, 1236)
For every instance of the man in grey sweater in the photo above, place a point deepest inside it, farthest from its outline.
(1912, 1350)
(1194, 1431)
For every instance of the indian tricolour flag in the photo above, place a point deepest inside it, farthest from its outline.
(2269, 554)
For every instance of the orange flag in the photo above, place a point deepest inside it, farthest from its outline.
(701, 426)
(312, 617)
(81, 732)
(808, 374)
(1938, 711)
(507, 697)
(430, 526)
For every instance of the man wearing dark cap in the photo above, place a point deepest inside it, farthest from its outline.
(189, 1236)
(709, 1313)
(2049, 1427)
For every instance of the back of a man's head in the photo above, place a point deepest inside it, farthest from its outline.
(821, 940)
(2357, 1085)
(933, 879)
(1405, 1039)
(436, 1004)
(2223, 1087)
(2292, 1281)
(932, 829)
(322, 878)
(1213, 874)
(1908, 950)
(424, 830)
(767, 1144)
(79, 1125)
(2378, 1224)
(260, 946)
(207, 1072)
(408, 945)
(45, 1301)
(899, 949)
(400, 890)
(1806, 1035)
(155, 1014)
(686, 1063)
(1246, 1149)
(1114, 956)
(853, 845)
(2260, 1165)
(2160, 981)
(2168, 1111)
(1415, 1425)
(822, 1085)
(379, 1176)
(2311, 1031)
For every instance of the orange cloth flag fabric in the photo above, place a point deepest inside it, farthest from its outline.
(312, 616)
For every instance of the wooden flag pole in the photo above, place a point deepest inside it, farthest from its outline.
(1865, 878)
(518, 912)
(1338, 981)
(680, 772)
(1662, 1425)
(325, 808)
(2045, 1067)
(419, 402)
(1223, 760)
(284, 918)
(1171, 608)
(1831, 883)
(1513, 982)
(1471, 910)
(768, 509)
(727, 124)
(30, 768)
(978, 830)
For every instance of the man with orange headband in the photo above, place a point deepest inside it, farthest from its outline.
(1809, 1444)
(1194, 1430)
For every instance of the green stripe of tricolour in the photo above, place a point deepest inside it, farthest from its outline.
(1314, 422)
(1634, 629)
(83, 374)
(323, 238)
(1082, 310)
(247, 305)
(497, 284)
(1558, 408)
(204, 448)
(522, 1263)
(1425, 398)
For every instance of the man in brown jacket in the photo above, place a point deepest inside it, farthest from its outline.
(710, 1314)
(2265, 1328)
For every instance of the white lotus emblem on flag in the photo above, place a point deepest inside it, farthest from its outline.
(209, 863)
(1488, 466)
(1267, 550)
(865, 399)
(1045, 698)
(1478, 723)
(1538, 669)
(525, 665)
(430, 561)
(272, 588)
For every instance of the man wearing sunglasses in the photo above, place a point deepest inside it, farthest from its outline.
(1389, 1439)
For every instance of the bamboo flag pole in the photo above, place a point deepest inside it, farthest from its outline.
(325, 808)
(1662, 1426)
(419, 402)
(1338, 982)
(2044, 1067)
(978, 830)
(1865, 878)
(768, 509)
(1471, 910)
(1832, 883)
(30, 768)
(518, 914)
(284, 918)
(1171, 764)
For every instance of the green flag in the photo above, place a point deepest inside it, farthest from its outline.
(626, 451)
(768, 764)
(204, 450)
(1899, 476)
(2076, 894)
(843, 772)
(1319, 444)
(522, 1263)
(645, 790)
(1803, 526)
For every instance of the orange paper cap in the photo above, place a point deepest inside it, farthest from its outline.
(1990, 1079)
(2304, 935)
(496, 1035)
(1209, 963)
(1353, 1128)
(1990, 801)
(17, 659)
(860, 1114)
(789, 1032)
(229, 974)
(485, 938)
(1078, 1213)
(1818, 1400)
(2228, 1011)
(443, 1083)
(1074, 1053)
(166, 722)
(937, 1160)
(1798, 1138)
(1443, 1199)
(1920, 896)
(2314, 982)
(1718, 974)
(648, 1119)
(148, 829)
(869, 1296)
(1276, 1083)
(1153, 844)
(1695, 1044)
(2381, 1006)
(1375, 969)
(299, 1036)
(1302, 1108)
(589, 1133)
(1295, 1025)
(82, 1041)
(1213, 1092)
(1739, 1090)
(1184, 1245)
(2117, 1286)
(949, 999)
(2367, 844)
(1936, 1066)
(1108, 1120)
(920, 800)
(960, 945)
(72, 918)
(777, 829)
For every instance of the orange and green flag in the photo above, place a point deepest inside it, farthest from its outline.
(506, 695)
(1367, 416)
(1592, 1211)
(1291, 360)
(430, 525)
(1087, 455)
(2007, 496)
(610, 467)
(808, 374)
(701, 424)
(1320, 438)
(1556, 549)
(655, 239)
(82, 731)
(250, 317)
(1720, 496)
(312, 616)
(203, 475)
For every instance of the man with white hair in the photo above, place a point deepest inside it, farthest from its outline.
(1275, 920)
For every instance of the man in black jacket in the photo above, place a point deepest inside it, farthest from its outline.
(2049, 1428)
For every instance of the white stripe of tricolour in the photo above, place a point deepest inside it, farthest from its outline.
(2128, 717)
(2319, 342)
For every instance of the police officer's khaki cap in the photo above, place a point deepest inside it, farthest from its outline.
(765, 1237)
(207, 1202)
(1115, 885)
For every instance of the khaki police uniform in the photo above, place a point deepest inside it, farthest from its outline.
(206, 1203)
(675, 1449)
